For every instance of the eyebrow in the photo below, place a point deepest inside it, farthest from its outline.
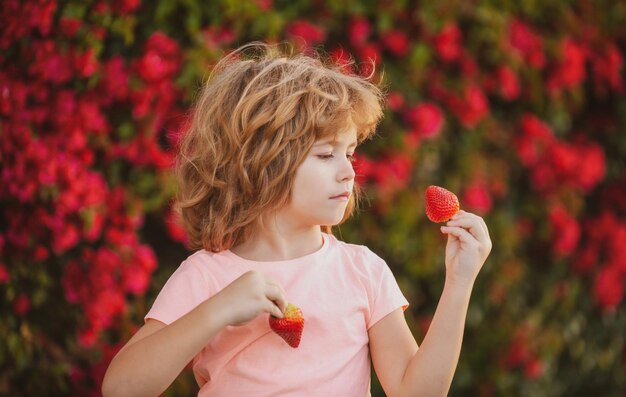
(333, 142)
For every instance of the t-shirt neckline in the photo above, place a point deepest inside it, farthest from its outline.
(326, 240)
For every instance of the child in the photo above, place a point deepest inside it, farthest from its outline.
(265, 170)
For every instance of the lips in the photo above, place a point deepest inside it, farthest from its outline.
(344, 195)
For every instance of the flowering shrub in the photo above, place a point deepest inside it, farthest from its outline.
(518, 108)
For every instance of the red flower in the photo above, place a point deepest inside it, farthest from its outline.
(174, 228)
(358, 31)
(570, 71)
(536, 137)
(265, 5)
(125, 7)
(565, 231)
(86, 64)
(533, 368)
(608, 288)
(563, 158)
(396, 42)
(586, 258)
(607, 68)
(471, 108)
(41, 253)
(218, 36)
(591, 166)
(528, 43)
(305, 30)
(448, 43)
(395, 101)
(477, 197)
(160, 59)
(508, 83)
(370, 55)
(392, 173)
(114, 83)
(426, 119)
(342, 59)
(4, 274)
(363, 167)
(21, 305)
(70, 26)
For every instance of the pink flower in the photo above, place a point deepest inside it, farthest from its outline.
(426, 119)
(358, 31)
(396, 42)
(135, 279)
(448, 43)
(477, 197)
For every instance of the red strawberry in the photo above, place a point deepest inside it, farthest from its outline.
(441, 204)
(290, 326)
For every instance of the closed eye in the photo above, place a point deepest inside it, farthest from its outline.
(327, 156)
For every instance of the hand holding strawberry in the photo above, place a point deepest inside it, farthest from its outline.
(290, 326)
(468, 243)
(467, 248)
(441, 204)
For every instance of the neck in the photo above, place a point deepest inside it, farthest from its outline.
(271, 245)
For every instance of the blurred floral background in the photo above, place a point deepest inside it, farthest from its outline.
(518, 106)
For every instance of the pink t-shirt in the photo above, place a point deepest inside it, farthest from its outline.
(342, 289)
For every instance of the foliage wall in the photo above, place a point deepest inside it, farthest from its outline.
(518, 106)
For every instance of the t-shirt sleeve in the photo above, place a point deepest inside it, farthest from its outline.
(386, 295)
(186, 288)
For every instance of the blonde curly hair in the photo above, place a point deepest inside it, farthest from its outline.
(254, 122)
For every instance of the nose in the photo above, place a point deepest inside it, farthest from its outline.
(346, 172)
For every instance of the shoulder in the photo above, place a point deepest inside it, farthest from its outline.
(200, 264)
(359, 257)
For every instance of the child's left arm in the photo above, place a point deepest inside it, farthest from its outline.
(402, 368)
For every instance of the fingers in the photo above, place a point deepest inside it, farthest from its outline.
(473, 223)
(276, 298)
(460, 233)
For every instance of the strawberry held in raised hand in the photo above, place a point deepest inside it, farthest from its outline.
(290, 326)
(441, 204)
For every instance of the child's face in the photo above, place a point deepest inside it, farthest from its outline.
(324, 182)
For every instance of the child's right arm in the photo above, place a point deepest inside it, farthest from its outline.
(157, 353)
